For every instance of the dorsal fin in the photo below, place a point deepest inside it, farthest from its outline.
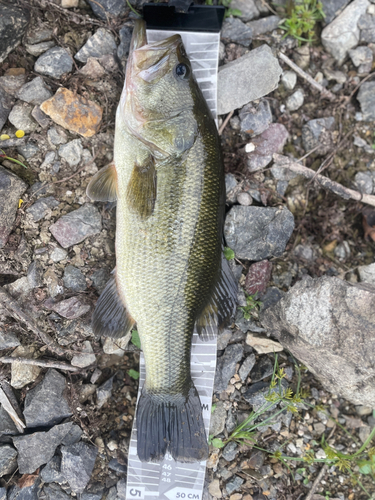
(222, 304)
(103, 186)
(141, 190)
(111, 318)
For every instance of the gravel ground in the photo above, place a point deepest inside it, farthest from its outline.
(61, 76)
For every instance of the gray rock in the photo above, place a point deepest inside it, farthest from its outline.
(37, 34)
(77, 464)
(367, 273)
(230, 451)
(264, 25)
(54, 492)
(25, 493)
(244, 199)
(336, 76)
(289, 80)
(253, 75)
(342, 251)
(332, 8)
(246, 367)
(48, 159)
(329, 325)
(366, 24)
(256, 394)
(11, 84)
(255, 118)
(234, 484)
(34, 92)
(363, 181)
(271, 141)
(13, 23)
(28, 150)
(125, 35)
(39, 48)
(7, 340)
(37, 449)
(8, 459)
(226, 366)
(98, 45)
(305, 252)
(318, 132)
(104, 392)
(117, 467)
(295, 101)
(58, 254)
(234, 30)
(361, 55)
(74, 279)
(72, 308)
(262, 369)
(51, 473)
(7, 426)
(40, 117)
(71, 152)
(55, 62)
(218, 417)
(45, 405)
(6, 103)
(281, 173)
(78, 225)
(56, 137)
(100, 278)
(11, 190)
(73, 436)
(343, 33)
(21, 118)
(35, 274)
(257, 233)
(366, 97)
(42, 207)
(94, 496)
(223, 339)
(102, 9)
(248, 8)
(3, 493)
(85, 358)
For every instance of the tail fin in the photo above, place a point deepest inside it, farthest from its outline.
(171, 423)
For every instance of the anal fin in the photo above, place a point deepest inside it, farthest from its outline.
(111, 318)
(103, 186)
(221, 306)
(141, 190)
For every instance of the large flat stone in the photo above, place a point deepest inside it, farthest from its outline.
(249, 77)
(13, 23)
(329, 325)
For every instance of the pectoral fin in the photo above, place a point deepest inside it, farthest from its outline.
(221, 306)
(141, 190)
(110, 318)
(103, 186)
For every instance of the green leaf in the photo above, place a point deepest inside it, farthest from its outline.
(135, 339)
(228, 253)
(364, 467)
(217, 443)
(306, 480)
(133, 374)
(213, 407)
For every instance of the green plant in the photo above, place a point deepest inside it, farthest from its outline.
(245, 433)
(229, 253)
(133, 374)
(252, 305)
(135, 339)
(3, 155)
(228, 9)
(301, 19)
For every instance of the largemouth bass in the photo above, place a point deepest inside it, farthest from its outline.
(168, 179)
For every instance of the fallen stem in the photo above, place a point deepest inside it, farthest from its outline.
(315, 484)
(225, 122)
(13, 308)
(325, 93)
(335, 187)
(39, 362)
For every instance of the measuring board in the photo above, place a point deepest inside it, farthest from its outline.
(171, 480)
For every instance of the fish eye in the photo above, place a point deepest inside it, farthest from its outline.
(182, 71)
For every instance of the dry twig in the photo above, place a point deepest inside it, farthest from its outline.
(6, 404)
(13, 308)
(325, 93)
(319, 477)
(335, 187)
(224, 124)
(39, 362)
(70, 14)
